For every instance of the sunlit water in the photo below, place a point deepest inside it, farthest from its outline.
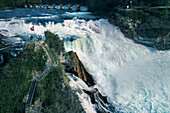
(132, 76)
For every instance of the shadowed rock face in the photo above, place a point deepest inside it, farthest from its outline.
(83, 74)
(74, 65)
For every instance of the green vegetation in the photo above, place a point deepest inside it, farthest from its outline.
(15, 78)
(54, 42)
(54, 92)
(11, 3)
(163, 14)
(56, 96)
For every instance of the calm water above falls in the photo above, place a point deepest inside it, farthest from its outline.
(134, 77)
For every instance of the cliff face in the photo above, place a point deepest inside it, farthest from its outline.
(74, 65)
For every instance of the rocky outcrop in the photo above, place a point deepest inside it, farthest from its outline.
(74, 65)
(100, 101)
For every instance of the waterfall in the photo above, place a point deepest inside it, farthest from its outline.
(134, 77)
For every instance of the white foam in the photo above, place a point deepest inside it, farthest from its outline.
(79, 85)
(133, 76)
(45, 17)
(78, 13)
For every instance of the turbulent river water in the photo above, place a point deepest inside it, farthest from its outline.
(135, 78)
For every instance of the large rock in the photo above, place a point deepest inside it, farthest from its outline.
(5, 33)
(100, 101)
(74, 65)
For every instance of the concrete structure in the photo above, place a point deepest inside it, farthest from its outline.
(66, 7)
(45, 6)
(51, 6)
(59, 6)
(25, 6)
(37, 6)
(84, 8)
(41, 6)
(74, 7)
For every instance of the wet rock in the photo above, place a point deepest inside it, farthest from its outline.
(100, 101)
(5, 33)
(74, 65)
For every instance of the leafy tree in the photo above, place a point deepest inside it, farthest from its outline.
(55, 95)
(54, 42)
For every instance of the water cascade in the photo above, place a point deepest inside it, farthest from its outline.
(132, 76)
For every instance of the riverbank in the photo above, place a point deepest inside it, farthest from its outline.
(141, 27)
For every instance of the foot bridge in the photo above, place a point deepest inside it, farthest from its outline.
(74, 7)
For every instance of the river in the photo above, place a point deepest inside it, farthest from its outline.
(135, 78)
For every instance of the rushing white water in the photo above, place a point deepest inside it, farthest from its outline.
(78, 85)
(134, 77)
